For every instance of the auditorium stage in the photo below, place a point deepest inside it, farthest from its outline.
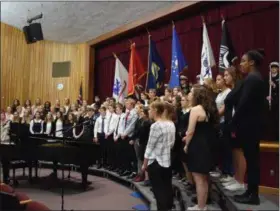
(222, 200)
(103, 194)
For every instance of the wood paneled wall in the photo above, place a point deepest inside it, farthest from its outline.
(26, 70)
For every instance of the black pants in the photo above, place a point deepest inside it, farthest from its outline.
(111, 151)
(225, 150)
(251, 149)
(103, 148)
(161, 181)
(127, 154)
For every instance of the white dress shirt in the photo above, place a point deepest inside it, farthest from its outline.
(111, 123)
(59, 126)
(119, 126)
(48, 128)
(98, 125)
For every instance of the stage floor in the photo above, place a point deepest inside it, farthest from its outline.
(102, 194)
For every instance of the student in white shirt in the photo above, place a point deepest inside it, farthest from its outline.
(110, 126)
(48, 124)
(99, 136)
(58, 125)
(117, 137)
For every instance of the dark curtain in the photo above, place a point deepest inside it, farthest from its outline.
(251, 25)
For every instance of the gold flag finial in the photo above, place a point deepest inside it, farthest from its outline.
(202, 18)
(147, 31)
(115, 55)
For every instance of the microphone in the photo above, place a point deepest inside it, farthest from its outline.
(87, 121)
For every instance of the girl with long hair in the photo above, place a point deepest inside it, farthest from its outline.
(200, 140)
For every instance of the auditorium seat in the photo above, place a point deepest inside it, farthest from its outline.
(6, 188)
(21, 196)
(35, 206)
(9, 202)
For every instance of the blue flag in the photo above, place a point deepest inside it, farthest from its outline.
(178, 62)
(156, 68)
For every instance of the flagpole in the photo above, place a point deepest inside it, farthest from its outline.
(115, 55)
(149, 38)
(270, 88)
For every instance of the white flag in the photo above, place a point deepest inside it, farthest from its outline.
(207, 57)
(120, 81)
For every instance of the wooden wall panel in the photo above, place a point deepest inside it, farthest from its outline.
(26, 70)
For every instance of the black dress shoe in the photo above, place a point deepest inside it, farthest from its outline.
(126, 173)
(194, 200)
(132, 175)
(247, 198)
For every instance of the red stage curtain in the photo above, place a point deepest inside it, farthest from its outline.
(251, 25)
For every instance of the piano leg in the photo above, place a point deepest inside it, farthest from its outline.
(36, 168)
(55, 168)
(6, 170)
(84, 172)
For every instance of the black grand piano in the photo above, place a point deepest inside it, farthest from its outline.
(46, 148)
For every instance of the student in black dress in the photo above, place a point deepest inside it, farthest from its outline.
(36, 124)
(199, 140)
(67, 127)
(247, 122)
(143, 137)
(182, 126)
(178, 170)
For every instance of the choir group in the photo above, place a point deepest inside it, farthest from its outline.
(188, 132)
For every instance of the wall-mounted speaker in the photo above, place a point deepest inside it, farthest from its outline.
(33, 33)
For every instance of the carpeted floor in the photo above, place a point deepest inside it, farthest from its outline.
(103, 193)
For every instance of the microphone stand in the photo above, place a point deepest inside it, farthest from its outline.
(62, 161)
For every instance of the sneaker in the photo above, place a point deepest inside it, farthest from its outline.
(229, 183)
(196, 208)
(215, 174)
(235, 187)
(226, 179)
(183, 179)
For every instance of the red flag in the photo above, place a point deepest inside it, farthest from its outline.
(136, 71)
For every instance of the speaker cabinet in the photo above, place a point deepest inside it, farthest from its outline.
(33, 33)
